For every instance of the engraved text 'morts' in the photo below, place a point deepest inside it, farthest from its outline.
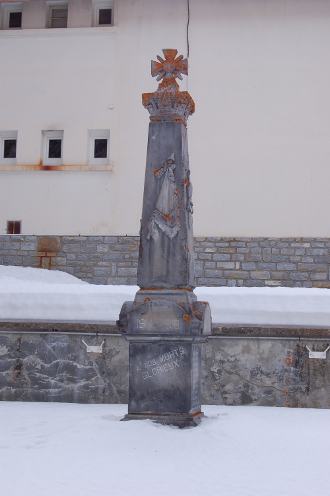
(161, 364)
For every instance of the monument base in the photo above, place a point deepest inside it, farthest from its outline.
(164, 379)
(165, 330)
(177, 420)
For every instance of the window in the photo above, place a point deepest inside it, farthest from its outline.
(55, 148)
(102, 13)
(105, 16)
(12, 15)
(98, 152)
(13, 227)
(15, 19)
(52, 147)
(58, 15)
(8, 146)
(100, 148)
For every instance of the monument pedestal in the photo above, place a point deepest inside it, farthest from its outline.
(164, 380)
(165, 330)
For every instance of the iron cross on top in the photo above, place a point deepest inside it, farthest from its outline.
(169, 68)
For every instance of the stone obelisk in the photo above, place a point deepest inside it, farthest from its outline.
(166, 325)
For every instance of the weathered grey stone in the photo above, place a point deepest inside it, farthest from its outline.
(260, 274)
(30, 261)
(127, 271)
(280, 274)
(312, 267)
(319, 244)
(89, 248)
(102, 248)
(307, 259)
(321, 259)
(213, 273)
(205, 256)
(317, 251)
(210, 250)
(301, 244)
(199, 269)
(236, 274)
(319, 276)
(249, 266)
(207, 265)
(11, 244)
(238, 257)
(226, 265)
(73, 248)
(211, 281)
(59, 261)
(101, 271)
(28, 246)
(252, 244)
(238, 244)
(110, 239)
(221, 244)
(207, 243)
(74, 256)
(243, 250)
(288, 251)
(267, 266)
(12, 259)
(299, 276)
(286, 266)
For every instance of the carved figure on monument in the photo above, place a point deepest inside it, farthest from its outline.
(165, 217)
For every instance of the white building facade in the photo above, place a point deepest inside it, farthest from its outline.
(73, 130)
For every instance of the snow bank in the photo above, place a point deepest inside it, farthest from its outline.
(84, 450)
(43, 295)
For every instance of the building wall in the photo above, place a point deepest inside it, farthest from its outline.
(259, 140)
(296, 262)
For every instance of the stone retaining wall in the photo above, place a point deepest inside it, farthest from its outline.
(269, 367)
(299, 262)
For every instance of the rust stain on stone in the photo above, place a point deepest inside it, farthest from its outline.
(17, 371)
(289, 359)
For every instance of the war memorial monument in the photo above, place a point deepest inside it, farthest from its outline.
(166, 325)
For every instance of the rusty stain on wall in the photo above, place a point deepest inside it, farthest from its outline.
(39, 166)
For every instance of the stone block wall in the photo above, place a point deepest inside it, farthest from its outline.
(294, 262)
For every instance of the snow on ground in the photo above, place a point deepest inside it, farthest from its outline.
(58, 449)
(37, 294)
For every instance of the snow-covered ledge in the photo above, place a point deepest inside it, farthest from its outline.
(28, 294)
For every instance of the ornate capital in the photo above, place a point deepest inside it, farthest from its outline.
(167, 103)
